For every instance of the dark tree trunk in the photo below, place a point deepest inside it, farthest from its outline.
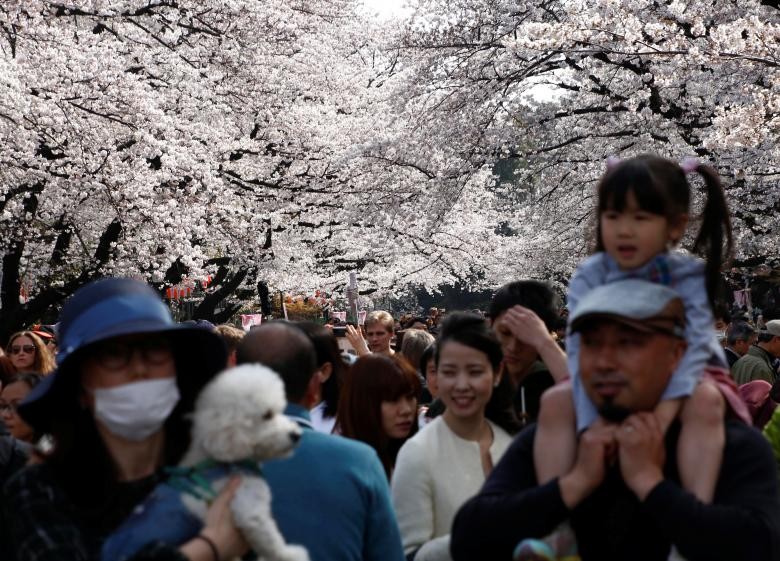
(15, 316)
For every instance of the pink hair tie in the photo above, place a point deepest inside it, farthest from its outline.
(689, 165)
(612, 162)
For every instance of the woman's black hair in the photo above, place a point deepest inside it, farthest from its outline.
(427, 355)
(660, 187)
(470, 329)
(327, 350)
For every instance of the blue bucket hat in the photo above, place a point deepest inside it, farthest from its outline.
(115, 307)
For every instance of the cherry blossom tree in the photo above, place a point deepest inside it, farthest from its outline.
(281, 144)
(552, 88)
(166, 139)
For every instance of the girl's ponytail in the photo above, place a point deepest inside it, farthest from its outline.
(715, 230)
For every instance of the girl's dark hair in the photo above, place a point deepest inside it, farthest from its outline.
(373, 379)
(660, 187)
(327, 350)
(470, 329)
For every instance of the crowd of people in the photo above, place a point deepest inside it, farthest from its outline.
(640, 431)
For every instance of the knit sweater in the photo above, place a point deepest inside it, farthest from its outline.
(435, 473)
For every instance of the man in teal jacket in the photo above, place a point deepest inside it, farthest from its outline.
(332, 495)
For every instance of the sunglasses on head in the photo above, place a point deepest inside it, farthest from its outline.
(28, 349)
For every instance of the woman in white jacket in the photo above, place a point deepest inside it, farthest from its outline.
(446, 463)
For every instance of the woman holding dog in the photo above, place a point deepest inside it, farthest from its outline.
(444, 465)
(117, 409)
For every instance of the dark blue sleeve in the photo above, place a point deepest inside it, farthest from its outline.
(142, 536)
(509, 508)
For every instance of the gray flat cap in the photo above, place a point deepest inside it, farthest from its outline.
(643, 305)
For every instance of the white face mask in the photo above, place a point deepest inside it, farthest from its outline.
(137, 410)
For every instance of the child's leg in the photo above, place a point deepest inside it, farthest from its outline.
(667, 411)
(702, 440)
(555, 444)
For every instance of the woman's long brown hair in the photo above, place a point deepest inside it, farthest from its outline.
(371, 380)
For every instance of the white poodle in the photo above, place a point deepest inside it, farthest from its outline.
(238, 421)
(239, 416)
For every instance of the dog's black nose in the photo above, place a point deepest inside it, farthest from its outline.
(295, 436)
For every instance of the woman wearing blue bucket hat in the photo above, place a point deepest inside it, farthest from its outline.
(117, 408)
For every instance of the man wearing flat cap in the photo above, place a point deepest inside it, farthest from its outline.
(623, 498)
(758, 362)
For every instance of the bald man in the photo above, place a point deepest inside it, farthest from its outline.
(332, 495)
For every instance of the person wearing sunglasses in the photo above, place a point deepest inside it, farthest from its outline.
(118, 409)
(29, 354)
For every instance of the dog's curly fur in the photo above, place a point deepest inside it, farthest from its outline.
(239, 416)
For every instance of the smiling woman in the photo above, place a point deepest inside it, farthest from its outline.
(444, 465)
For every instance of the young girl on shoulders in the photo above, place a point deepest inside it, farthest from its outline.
(643, 213)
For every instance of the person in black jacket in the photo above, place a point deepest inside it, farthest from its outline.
(523, 314)
(623, 498)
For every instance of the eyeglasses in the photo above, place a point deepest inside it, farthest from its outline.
(9, 407)
(115, 355)
(27, 349)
